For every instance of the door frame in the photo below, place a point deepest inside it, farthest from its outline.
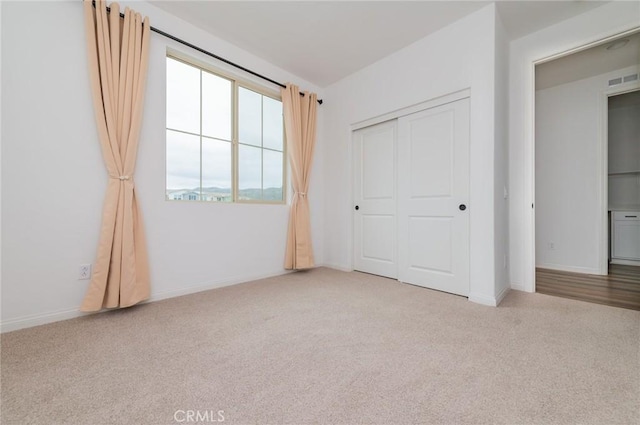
(529, 218)
(438, 101)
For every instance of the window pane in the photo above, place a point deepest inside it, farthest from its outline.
(216, 106)
(183, 96)
(201, 149)
(183, 166)
(250, 117)
(249, 173)
(272, 176)
(216, 170)
(272, 123)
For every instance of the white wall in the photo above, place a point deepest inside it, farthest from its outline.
(53, 177)
(0, 160)
(624, 191)
(624, 156)
(569, 174)
(594, 25)
(457, 57)
(501, 164)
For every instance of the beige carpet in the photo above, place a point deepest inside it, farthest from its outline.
(329, 347)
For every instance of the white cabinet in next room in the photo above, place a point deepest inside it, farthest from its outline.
(625, 237)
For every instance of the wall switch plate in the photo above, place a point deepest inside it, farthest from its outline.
(84, 272)
(551, 246)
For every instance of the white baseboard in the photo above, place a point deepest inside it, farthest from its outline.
(56, 316)
(625, 262)
(483, 299)
(212, 285)
(518, 287)
(501, 295)
(40, 319)
(340, 267)
(573, 269)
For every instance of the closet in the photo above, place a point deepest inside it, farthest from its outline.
(411, 192)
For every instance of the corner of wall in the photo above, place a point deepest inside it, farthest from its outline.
(483, 259)
(501, 156)
(502, 294)
(483, 299)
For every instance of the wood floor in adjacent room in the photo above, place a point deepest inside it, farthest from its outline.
(621, 288)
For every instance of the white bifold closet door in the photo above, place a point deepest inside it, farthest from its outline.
(433, 195)
(375, 226)
(411, 217)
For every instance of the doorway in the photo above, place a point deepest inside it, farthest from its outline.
(584, 178)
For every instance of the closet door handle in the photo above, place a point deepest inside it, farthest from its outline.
(357, 208)
(462, 207)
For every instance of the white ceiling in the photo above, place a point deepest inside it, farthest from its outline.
(324, 41)
(524, 17)
(588, 63)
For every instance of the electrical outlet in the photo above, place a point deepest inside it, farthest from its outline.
(84, 272)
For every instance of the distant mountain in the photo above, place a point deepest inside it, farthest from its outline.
(213, 189)
(272, 194)
(268, 194)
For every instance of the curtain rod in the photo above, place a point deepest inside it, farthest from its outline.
(213, 55)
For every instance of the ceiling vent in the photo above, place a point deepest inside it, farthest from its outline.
(621, 80)
(615, 81)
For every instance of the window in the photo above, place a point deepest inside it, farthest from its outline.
(224, 140)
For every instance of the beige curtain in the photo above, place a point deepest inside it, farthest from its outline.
(300, 128)
(118, 51)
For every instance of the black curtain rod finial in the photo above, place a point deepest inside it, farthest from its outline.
(194, 47)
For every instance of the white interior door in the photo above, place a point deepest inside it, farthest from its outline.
(375, 227)
(433, 194)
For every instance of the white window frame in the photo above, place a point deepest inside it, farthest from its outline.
(236, 83)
